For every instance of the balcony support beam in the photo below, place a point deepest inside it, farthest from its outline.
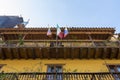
(89, 35)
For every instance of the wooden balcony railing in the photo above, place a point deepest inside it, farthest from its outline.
(59, 52)
(60, 76)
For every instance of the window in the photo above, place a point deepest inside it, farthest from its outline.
(54, 68)
(118, 68)
(114, 69)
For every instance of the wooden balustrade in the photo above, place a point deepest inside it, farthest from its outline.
(60, 76)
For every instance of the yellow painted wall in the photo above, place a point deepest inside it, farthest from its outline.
(84, 65)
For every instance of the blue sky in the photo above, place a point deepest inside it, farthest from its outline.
(73, 13)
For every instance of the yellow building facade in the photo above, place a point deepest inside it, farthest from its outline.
(39, 65)
(91, 52)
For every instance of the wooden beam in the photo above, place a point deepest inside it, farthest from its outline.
(118, 54)
(58, 40)
(65, 52)
(18, 53)
(39, 52)
(97, 37)
(91, 40)
(25, 53)
(80, 53)
(88, 53)
(55, 32)
(112, 53)
(71, 53)
(24, 36)
(96, 52)
(10, 53)
(15, 37)
(48, 53)
(2, 53)
(22, 39)
(104, 53)
(54, 29)
(33, 53)
(11, 50)
(42, 52)
(93, 77)
(56, 53)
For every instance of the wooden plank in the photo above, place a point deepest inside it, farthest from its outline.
(80, 53)
(13, 51)
(0, 53)
(100, 53)
(91, 40)
(40, 52)
(104, 53)
(55, 32)
(41, 40)
(25, 53)
(45, 52)
(5, 53)
(72, 53)
(18, 53)
(109, 53)
(33, 53)
(118, 53)
(37, 52)
(10, 53)
(48, 52)
(56, 53)
(61, 52)
(65, 52)
(3, 56)
(68, 52)
(112, 54)
(96, 52)
(92, 52)
(76, 53)
(53, 53)
(84, 52)
(29, 52)
(88, 53)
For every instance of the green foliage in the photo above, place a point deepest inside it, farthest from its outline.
(118, 38)
(9, 42)
(1, 42)
(21, 42)
(75, 70)
(2, 76)
(33, 68)
(36, 67)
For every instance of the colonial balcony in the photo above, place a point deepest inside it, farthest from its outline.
(60, 76)
(66, 51)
